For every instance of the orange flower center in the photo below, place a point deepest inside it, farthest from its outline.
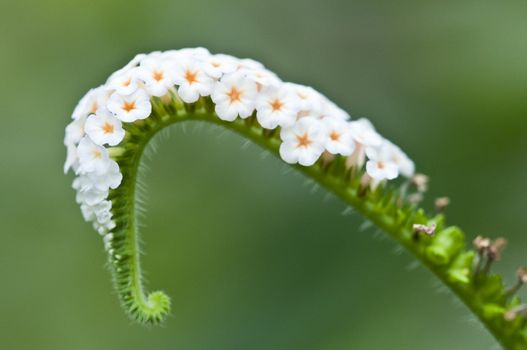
(190, 77)
(380, 165)
(276, 105)
(303, 140)
(234, 95)
(108, 128)
(127, 82)
(334, 136)
(129, 106)
(97, 154)
(157, 75)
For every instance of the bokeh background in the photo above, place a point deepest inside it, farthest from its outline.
(252, 256)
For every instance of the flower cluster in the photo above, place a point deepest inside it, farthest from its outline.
(310, 124)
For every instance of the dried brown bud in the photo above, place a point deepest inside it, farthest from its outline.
(522, 275)
(327, 157)
(496, 248)
(415, 198)
(515, 312)
(481, 244)
(441, 203)
(428, 230)
(420, 181)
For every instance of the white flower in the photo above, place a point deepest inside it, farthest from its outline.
(311, 101)
(157, 75)
(234, 95)
(72, 160)
(404, 163)
(92, 158)
(217, 65)
(129, 66)
(364, 135)
(75, 131)
(112, 178)
(124, 83)
(277, 106)
(90, 212)
(332, 111)
(339, 139)
(192, 81)
(380, 166)
(91, 197)
(103, 128)
(303, 143)
(91, 102)
(261, 77)
(249, 63)
(130, 108)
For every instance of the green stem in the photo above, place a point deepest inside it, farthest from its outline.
(444, 254)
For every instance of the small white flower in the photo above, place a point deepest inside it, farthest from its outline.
(303, 143)
(157, 75)
(215, 66)
(75, 131)
(332, 111)
(380, 166)
(405, 164)
(339, 139)
(92, 158)
(129, 66)
(90, 212)
(234, 95)
(124, 83)
(364, 135)
(91, 102)
(130, 108)
(112, 178)
(72, 160)
(103, 128)
(249, 63)
(261, 77)
(91, 197)
(277, 106)
(311, 101)
(192, 81)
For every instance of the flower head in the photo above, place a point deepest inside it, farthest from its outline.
(277, 106)
(75, 131)
(380, 165)
(157, 75)
(215, 66)
(126, 82)
(92, 158)
(132, 107)
(103, 128)
(338, 136)
(91, 102)
(234, 95)
(303, 143)
(192, 80)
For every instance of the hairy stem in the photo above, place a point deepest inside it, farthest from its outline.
(444, 253)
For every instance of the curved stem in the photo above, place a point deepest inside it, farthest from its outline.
(444, 254)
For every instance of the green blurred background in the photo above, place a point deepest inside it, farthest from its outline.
(252, 256)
